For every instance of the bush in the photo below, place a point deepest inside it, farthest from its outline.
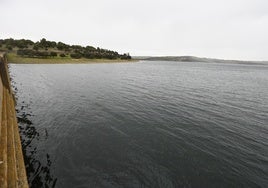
(42, 54)
(62, 55)
(34, 53)
(35, 47)
(76, 55)
(53, 54)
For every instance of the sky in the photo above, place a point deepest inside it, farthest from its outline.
(227, 29)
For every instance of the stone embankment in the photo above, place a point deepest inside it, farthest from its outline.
(12, 168)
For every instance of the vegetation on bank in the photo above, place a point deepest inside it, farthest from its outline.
(14, 58)
(56, 51)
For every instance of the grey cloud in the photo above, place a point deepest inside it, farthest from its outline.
(230, 29)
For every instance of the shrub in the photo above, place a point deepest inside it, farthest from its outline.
(76, 55)
(9, 47)
(53, 54)
(35, 47)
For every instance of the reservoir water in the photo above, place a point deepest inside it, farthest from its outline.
(144, 124)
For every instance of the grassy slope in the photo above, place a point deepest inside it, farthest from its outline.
(13, 58)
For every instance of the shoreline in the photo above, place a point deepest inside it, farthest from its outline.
(13, 59)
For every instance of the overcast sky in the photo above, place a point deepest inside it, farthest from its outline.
(229, 29)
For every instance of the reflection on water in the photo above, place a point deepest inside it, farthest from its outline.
(38, 172)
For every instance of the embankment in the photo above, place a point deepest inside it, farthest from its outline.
(12, 168)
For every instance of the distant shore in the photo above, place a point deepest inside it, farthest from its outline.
(197, 59)
(15, 59)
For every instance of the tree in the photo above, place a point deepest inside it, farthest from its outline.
(35, 47)
(44, 47)
(125, 56)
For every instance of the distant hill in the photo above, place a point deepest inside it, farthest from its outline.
(196, 59)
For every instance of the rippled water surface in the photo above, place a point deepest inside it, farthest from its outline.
(145, 124)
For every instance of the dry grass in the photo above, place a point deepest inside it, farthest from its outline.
(13, 58)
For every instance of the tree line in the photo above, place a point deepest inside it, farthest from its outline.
(45, 48)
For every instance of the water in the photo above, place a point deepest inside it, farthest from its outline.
(146, 124)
